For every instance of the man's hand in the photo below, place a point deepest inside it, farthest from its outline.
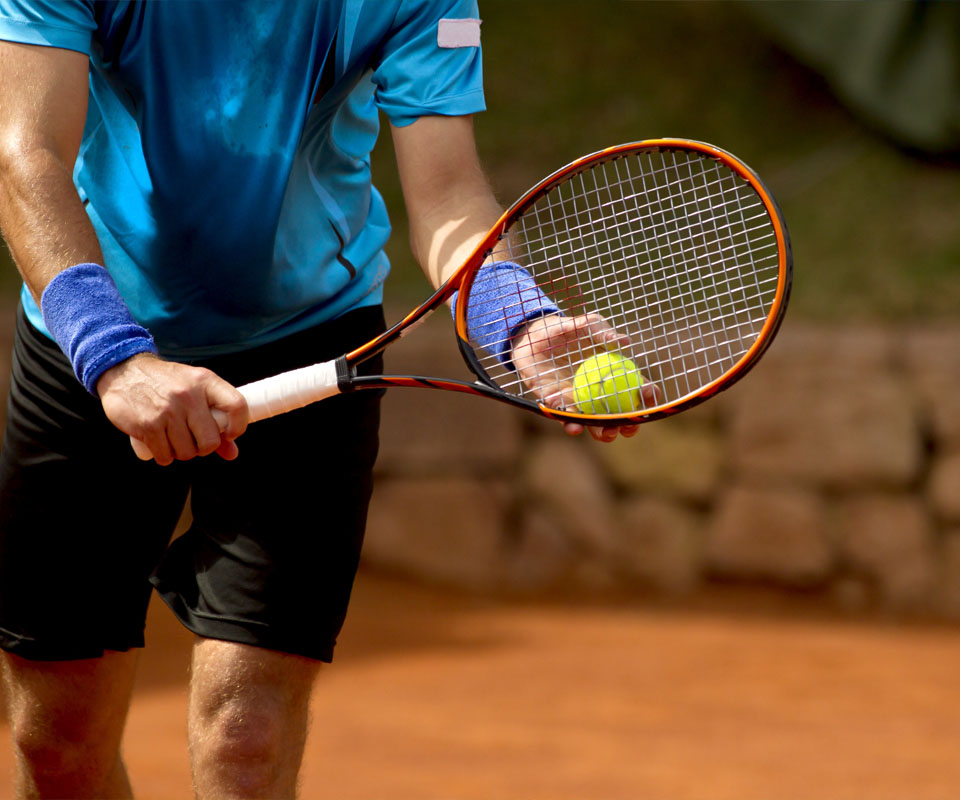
(563, 342)
(168, 406)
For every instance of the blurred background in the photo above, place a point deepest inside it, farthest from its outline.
(832, 471)
(748, 601)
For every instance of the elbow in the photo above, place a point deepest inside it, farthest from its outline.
(15, 146)
(26, 167)
(11, 152)
(24, 154)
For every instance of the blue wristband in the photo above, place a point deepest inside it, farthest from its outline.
(490, 322)
(86, 316)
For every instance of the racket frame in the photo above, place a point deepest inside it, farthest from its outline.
(349, 380)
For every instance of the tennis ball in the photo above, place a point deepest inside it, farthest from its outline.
(607, 384)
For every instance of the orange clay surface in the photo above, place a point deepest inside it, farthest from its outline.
(439, 696)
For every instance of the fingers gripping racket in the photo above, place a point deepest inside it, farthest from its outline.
(667, 255)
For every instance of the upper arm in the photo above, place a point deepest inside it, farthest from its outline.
(437, 163)
(43, 100)
(449, 202)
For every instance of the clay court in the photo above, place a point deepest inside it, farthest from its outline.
(438, 696)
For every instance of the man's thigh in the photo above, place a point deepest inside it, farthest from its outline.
(275, 542)
(83, 522)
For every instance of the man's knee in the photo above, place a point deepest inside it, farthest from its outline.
(251, 726)
(57, 754)
(248, 714)
(53, 755)
(66, 718)
(249, 745)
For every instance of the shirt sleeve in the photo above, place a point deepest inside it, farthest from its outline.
(416, 76)
(52, 23)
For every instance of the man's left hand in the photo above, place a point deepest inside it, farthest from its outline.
(563, 342)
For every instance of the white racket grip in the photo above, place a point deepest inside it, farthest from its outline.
(275, 395)
(289, 390)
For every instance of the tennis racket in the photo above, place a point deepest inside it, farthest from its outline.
(667, 252)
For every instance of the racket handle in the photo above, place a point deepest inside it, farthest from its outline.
(275, 395)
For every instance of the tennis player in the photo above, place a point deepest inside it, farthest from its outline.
(186, 191)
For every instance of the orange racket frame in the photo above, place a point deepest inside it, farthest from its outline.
(348, 379)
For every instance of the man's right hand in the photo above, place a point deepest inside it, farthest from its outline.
(168, 407)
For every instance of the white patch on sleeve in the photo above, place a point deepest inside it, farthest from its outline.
(458, 33)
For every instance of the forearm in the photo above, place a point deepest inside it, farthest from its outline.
(56, 250)
(442, 240)
(41, 216)
(164, 404)
(449, 201)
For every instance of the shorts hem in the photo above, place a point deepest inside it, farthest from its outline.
(253, 633)
(28, 648)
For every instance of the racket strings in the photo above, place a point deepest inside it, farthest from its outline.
(542, 252)
(615, 288)
(667, 257)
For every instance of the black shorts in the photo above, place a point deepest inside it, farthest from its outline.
(85, 526)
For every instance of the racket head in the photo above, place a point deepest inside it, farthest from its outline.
(674, 243)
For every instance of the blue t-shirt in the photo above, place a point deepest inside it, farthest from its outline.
(225, 161)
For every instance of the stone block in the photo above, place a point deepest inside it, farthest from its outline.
(542, 557)
(832, 348)
(660, 544)
(670, 457)
(944, 487)
(932, 361)
(888, 538)
(445, 530)
(949, 573)
(427, 431)
(853, 594)
(430, 349)
(771, 534)
(826, 426)
(562, 475)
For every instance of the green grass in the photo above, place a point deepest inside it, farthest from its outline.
(874, 230)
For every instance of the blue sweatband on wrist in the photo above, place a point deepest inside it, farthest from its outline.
(503, 298)
(84, 312)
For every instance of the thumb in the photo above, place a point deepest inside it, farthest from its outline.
(229, 408)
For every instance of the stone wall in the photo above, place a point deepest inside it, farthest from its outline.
(833, 468)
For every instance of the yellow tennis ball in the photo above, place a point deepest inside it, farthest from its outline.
(607, 383)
